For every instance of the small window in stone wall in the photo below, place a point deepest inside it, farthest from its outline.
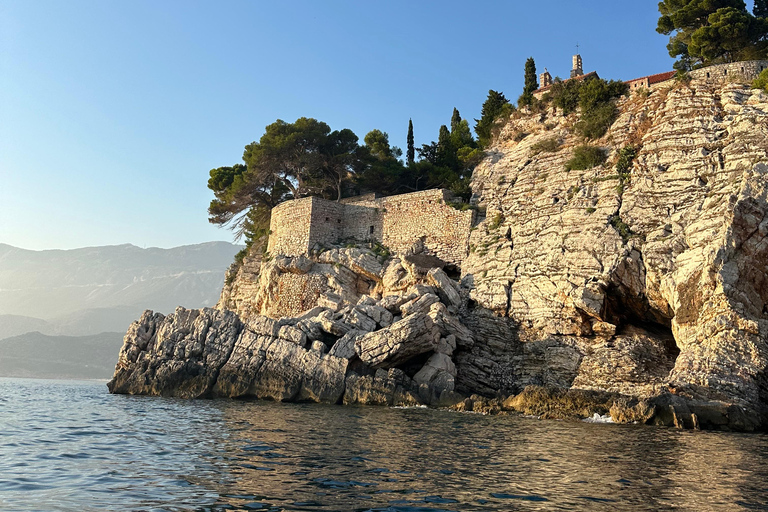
(371, 229)
(327, 219)
(339, 221)
(707, 75)
(725, 72)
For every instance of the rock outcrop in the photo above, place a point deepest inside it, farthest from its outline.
(641, 293)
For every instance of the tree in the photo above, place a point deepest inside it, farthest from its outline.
(711, 31)
(455, 119)
(289, 161)
(760, 10)
(531, 83)
(411, 151)
(491, 111)
(460, 133)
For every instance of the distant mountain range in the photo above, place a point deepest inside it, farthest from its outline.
(60, 357)
(66, 297)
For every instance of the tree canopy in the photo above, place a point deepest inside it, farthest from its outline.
(494, 107)
(704, 32)
(531, 83)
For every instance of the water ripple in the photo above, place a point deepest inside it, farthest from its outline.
(71, 446)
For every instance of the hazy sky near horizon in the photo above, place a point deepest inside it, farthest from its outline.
(112, 113)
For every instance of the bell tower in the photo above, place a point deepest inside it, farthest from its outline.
(578, 67)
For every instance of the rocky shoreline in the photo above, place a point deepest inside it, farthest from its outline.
(639, 293)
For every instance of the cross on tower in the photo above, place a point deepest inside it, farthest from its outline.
(577, 48)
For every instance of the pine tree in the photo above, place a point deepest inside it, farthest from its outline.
(411, 150)
(492, 109)
(761, 9)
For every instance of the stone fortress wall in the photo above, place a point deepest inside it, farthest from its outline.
(719, 74)
(398, 222)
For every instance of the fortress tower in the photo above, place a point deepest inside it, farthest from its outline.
(578, 68)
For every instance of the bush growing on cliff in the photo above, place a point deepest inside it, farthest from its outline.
(586, 157)
(761, 82)
(549, 145)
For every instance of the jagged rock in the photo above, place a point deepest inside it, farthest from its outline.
(330, 300)
(294, 265)
(272, 368)
(345, 346)
(331, 326)
(419, 305)
(379, 314)
(436, 377)
(411, 336)
(293, 334)
(392, 303)
(446, 345)
(451, 326)
(360, 320)
(384, 388)
(176, 355)
(447, 290)
(358, 260)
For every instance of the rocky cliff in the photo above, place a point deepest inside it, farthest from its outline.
(641, 291)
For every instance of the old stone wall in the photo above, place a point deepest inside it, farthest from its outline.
(720, 74)
(326, 223)
(290, 227)
(428, 216)
(398, 222)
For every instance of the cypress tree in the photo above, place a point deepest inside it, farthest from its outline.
(455, 120)
(531, 84)
(411, 150)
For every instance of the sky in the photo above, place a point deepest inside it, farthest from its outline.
(112, 113)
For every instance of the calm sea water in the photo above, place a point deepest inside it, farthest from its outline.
(71, 446)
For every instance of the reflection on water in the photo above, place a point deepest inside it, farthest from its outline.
(71, 446)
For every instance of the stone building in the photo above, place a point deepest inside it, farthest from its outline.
(650, 81)
(399, 222)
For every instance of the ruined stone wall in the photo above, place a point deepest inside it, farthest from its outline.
(290, 227)
(326, 224)
(426, 215)
(396, 221)
(720, 74)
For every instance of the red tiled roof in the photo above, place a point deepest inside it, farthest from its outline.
(580, 77)
(657, 78)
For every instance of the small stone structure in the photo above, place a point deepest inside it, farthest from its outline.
(651, 81)
(398, 222)
(719, 74)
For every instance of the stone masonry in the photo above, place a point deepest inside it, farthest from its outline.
(398, 222)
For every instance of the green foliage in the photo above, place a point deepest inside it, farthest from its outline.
(619, 225)
(549, 145)
(565, 95)
(531, 84)
(498, 219)
(761, 82)
(493, 109)
(712, 31)
(627, 155)
(596, 121)
(760, 9)
(586, 157)
(590, 210)
(411, 153)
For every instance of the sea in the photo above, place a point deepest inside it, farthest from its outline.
(70, 445)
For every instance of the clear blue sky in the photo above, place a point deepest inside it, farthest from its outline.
(112, 113)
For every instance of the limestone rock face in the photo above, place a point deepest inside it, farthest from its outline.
(643, 293)
(580, 260)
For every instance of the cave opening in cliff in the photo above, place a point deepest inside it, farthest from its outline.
(412, 366)
(630, 312)
(452, 271)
